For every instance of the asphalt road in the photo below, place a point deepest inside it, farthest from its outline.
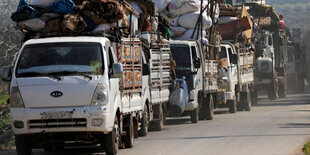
(272, 128)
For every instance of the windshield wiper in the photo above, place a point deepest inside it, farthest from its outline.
(37, 74)
(71, 73)
(29, 74)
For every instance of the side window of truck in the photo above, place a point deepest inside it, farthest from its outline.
(110, 61)
(194, 52)
(230, 54)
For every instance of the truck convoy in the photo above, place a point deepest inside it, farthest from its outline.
(271, 55)
(106, 75)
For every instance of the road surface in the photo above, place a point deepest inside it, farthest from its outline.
(272, 128)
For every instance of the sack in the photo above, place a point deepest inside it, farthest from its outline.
(178, 31)
(226, 19)
(34, 24)
(62, 7)
(73, 23)
(48, 16)
(174, 21)
(136, 7)
(188, 34)
(187, 7)
(161, 5)
(42, 3)
(189, 20)
(24, 12)
(53, 25)
(104, 27)
(90, 24)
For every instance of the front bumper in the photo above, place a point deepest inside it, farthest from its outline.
(191, 106)
(71, 119)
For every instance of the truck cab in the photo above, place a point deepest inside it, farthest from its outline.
(188, 56)
(69, 89)
(237, 78)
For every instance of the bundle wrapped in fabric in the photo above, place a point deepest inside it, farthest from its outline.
(161, 5)
(186, 7)
(189, 20)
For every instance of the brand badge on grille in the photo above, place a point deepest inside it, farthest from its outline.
(56, 94)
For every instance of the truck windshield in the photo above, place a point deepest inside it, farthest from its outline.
(181, 54)
(60, 59)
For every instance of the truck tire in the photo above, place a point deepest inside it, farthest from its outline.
(232, 106)
(247, 102)
(301, 85)
(282, 90)
(209, 107)
(144, 122)
(128, 138)
(194, 114)
(158, 125)
(273, 91)
(112, 139)
(23, 146)
(254, 96)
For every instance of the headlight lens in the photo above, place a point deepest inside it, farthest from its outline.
(16, 100)
(101, 95)
(191, 95)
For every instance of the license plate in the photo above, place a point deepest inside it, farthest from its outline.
(56, 115)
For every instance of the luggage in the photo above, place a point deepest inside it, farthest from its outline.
(42, 3)
(177, 31)
(189, 20)
(161, 5)
(34, 24)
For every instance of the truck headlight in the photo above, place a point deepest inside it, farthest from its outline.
(100, 96)
(16, 100)
(191, 95)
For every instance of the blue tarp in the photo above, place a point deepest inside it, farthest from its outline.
(24, 12)
(62, 7)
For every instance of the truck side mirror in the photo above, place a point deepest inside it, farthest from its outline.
(6, 73)
(146, 69)
(234, 58)
(117, 70)
(197, 63)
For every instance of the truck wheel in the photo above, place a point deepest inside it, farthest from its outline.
(247, 102)
(301, 85)
(240, 102)
(144, 122)
(128, 139)
(209, 107)
(194, 115)
(23, 147)
(232, 106)
(112, 140)
(282, 91)
(254, 96)
(158, 125)
(273, 92)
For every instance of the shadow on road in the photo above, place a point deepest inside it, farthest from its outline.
(228, 136)
(295, 125)
(291, 101)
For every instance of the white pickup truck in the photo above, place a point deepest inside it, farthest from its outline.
(74, 91)
(237, 81)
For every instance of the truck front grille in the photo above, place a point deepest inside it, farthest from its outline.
(57, 123)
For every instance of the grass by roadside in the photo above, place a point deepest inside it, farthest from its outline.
(306, 148)
(3, 99)
(6, 134)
